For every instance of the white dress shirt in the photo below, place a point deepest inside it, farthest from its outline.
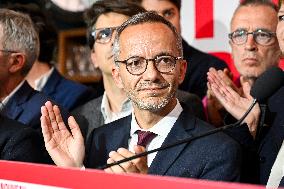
(161, 129)
(40, 82)
(110, 116)
(277, 170)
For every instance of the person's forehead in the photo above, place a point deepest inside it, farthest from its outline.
(110, 19)
(246, 17)
(148, 37)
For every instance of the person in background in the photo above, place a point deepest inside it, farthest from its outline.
(198, 62)
(149, 66)
(277, 172)
(19, 49)
(43, 75)
(255, 48)
(102, 19)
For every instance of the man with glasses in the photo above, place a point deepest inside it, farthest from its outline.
(254, 49)
(149, 66)
(103, 18)
(198, 62)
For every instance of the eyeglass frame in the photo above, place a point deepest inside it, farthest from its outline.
(147, 61)
(253, 33)
(8, 51)
(112, 29)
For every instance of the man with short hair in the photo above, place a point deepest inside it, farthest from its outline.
(255, 49)
(198, 62)
(19, 49)
(102, 19)
(149, 66)
(43, 75)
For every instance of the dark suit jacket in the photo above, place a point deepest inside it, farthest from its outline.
(260, 154)
(198, 64)
(272, 138)
(24, 106)
(67, 93)
(20, 143)
(215, 157)
(91, 116)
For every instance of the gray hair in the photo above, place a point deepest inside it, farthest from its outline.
(19, 34)
(146, 17)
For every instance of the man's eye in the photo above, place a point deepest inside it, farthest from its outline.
(168, 13)
(281, 18)
(239, 34)
(103, 34)
(134, 62)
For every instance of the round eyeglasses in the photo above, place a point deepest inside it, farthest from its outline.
(138, 65)
(103, 35)
(260, 36)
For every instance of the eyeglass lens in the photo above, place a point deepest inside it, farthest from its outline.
(138, 65)
(260, 36)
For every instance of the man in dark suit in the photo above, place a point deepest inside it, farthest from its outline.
(44, 76)
(18, 51)
(260, 136)
(103, 109)
(195, 80)
(20, 143)
(149, 67)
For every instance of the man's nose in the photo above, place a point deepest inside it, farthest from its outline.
(151, 73)
(250, 43)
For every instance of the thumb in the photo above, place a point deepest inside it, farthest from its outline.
(246, 90)
(139, 149)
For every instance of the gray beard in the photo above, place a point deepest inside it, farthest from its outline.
(152, 107)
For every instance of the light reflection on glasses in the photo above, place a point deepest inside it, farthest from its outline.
(103, 35)
(138, 65)
(260, 36)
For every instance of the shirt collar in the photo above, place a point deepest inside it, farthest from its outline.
(105, 108)
(163, 127)
(41, 81)
(7, 98)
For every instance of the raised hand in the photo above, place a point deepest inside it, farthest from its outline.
(138, 165)
(65, 148)
(234, 103)
(214, 108)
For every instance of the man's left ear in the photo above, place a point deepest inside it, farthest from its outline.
(17, 62)
(183, 67)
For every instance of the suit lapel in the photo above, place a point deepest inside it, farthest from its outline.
(164, 159)
(14, 107)
(54, 78)
(122, 133)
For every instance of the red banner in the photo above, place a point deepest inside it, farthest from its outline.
(25, 176)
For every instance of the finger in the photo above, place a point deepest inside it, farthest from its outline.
(123, 153)
(246, 89)
(109, 170)
(228, 73)
(75, 129)
(113, 158)
(51, 115)
(219, 94)
(45, 125)
(57, 114)
(140, 163)
(44, 113)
